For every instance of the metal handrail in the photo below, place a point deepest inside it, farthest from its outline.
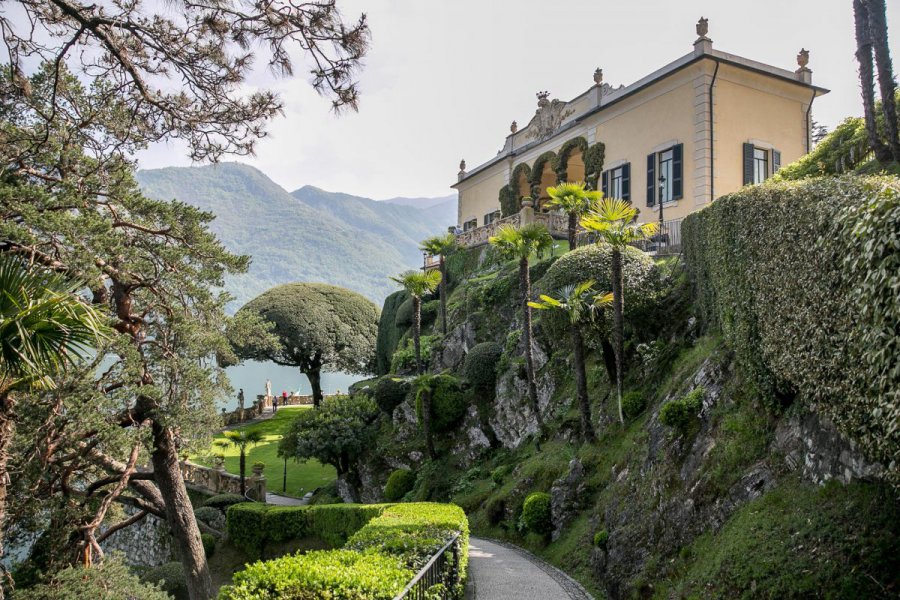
(429, 575)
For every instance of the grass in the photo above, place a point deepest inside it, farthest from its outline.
(304, 476)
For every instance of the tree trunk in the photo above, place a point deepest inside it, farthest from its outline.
(525, 285)
(573, 230)
(609, 359)
(584, 404)
(888, 88)
(426, 424)
(866, 78)
(618, 333)
(180, 513)
(243, 470)
(7, 429)
(443, 292)
(315, 382)
(417, 332)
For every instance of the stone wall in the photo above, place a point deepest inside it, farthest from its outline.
(218, 481)
(147, 543)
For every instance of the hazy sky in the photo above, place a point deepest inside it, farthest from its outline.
(444, 78)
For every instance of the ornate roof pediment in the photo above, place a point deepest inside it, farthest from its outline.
(547, 118)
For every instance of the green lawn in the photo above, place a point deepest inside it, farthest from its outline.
(302, 476)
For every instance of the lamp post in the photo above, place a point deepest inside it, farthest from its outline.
(284, 476)
(662, 186)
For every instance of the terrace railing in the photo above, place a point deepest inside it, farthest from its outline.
(666, 242)
(480, 235)
(443, 568)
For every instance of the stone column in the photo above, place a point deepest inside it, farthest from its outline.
(526, 214)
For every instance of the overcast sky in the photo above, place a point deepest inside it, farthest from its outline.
(444, 78)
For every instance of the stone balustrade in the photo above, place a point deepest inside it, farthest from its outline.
(557, 224)
(216, 480)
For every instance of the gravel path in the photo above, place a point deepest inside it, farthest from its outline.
(280, 500)
(499, 571)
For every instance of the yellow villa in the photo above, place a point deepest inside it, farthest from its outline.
(702, 126)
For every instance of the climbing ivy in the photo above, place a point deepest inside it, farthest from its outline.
(537, 170)
(565, 153)
(593, 163)
(509, 204)
(520, 170)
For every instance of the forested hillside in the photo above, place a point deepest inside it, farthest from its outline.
(310, 235)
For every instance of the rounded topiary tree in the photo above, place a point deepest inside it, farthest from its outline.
(318, 326)
(536, 513)
(399, 484)
(389, 392)
(480, 366)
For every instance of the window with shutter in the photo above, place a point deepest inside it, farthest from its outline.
(776, 161)
(677, 178)
(605, 184)
(748, 164)
(626, 182)
(651, 179)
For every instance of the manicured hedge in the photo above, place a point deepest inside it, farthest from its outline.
(378, 560)
(803, 279)
(388, 332)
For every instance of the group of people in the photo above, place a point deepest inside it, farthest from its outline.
(284, 396)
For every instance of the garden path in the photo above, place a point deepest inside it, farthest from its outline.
(279, 500)
(498, 571)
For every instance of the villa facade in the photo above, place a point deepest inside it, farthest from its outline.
(702, 126)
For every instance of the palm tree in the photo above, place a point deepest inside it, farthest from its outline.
(243, 440)
(44, 327)
(520, 244)
(424, 387)
(575, 200)
(579, 302)
(441, 246)
(417, 284)
(613, 220)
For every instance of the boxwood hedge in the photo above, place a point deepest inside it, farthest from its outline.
(803, 279)
(378, 560)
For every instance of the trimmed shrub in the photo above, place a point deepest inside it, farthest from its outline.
(399, 484)
(108, 580)
(499, 474)
(536, 515)
(390, 391)
(480, 366)
(601, 538)
(209, 543)
(170, 577)
(448, 403)
(404, 358)
(430, 311)
(388, 332)
(211, 516)
(404, 316)
(633, 404)
(802, 279)
(680, 414)
(223, 501)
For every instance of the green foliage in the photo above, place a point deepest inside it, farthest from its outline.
(561, 166)
(318, 326)
(480, 366)
(593, 163)
(601, 538)
(499, 474)
(448, 403)
(430, 311)
(404, 358)
(800, 541)
(209, 515)
(633, 404)
(389, 332)
(331, 574)
(389, 392)
(109, 580)
(682, 413)
(169, 577)
(223, 501)
(536, 515)
(520, 243)
(399, 483)
(537, 168)
(807, 299)
(404, 316)
(209, 544)
(509, 204)
(335, 434)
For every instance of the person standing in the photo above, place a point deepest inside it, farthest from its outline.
(241, 404)
(269, 394)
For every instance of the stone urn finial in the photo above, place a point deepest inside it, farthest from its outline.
(258, 469)
(598, 76)
(527, 202)
(702, 27)
(513, 127)
(462, 165)
(803, 58)
(542, 98)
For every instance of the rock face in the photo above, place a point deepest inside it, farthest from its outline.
(456, 345)
(513, 419)
(147, 543)
(565, 497)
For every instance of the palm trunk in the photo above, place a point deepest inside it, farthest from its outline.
(609, 359)
(417, 332)
(7, 430)
(584, 404)
(243, 470)
(426, 424)
(315, 382)
(525, 285)
(180, 513)
(867, 77)
(887, 86)
(618, 334)
(573, 230)
(443, 292)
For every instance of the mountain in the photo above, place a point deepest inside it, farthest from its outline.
(308, 235)
(440, 202)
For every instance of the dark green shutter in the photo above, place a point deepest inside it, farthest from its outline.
(677, 162)
(776, 161)
(626, 182)
(651, 179)
(748, 164)
(605, 184)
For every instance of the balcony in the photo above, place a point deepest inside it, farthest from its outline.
(556, 224)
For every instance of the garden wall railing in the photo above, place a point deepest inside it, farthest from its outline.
(443, 569)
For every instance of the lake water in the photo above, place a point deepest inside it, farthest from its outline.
(252, 375)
